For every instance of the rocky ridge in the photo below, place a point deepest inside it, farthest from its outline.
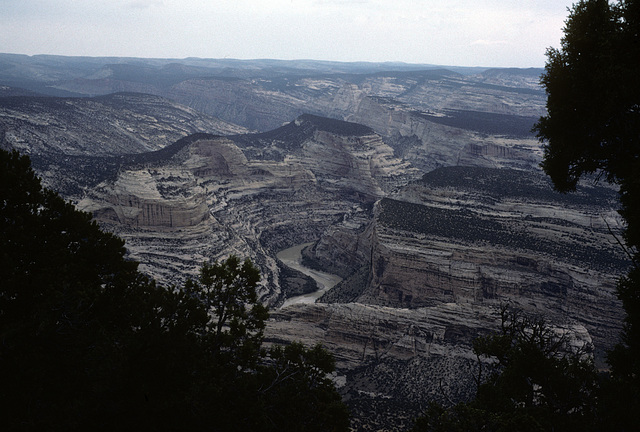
(393, 361)
(427, 265)
(431, 270)
(75, 143)
(429, 115)
(485, 236)
(238, 194)
(115, 124)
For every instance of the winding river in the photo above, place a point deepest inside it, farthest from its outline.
(292, 257)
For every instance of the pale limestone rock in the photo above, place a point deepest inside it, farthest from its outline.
(391, 360)
(122, 123)
(484, 237)
(224, 203)
(147, 199)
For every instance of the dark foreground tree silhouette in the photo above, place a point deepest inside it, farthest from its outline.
(593, 127)
(228, 291)
(537, 382)
(294, 381)
(89, 343)
(61, 278)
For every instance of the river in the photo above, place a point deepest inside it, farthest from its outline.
(292, 257)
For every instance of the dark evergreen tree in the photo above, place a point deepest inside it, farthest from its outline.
(593, 127)
(236, 317)
(295, 383)
(537, 382)
(89, 343)
(61, 334)
(248, 387)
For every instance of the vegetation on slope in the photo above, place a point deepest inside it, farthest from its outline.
(593, 126)
(90, 343)
(485, 122)
(536, 381)
(489, 186)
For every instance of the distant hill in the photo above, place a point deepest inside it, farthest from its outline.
(73, 138)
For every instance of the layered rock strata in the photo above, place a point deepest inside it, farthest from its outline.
(122, 123)
(392, 361)
(250, 195)
(486, 236)
(437, 262)
(431, 117)
(425, 267)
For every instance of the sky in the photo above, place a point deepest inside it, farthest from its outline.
(490, 33)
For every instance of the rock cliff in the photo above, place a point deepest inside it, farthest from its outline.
(430, 271)
(75, 142)
(392, 361)
(251, 195)
(430, 116)
(115, 124)
(484, 236)
(426, 265)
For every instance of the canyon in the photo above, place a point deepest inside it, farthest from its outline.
(419, 187)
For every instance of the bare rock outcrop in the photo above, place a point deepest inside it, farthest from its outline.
(431, 139)
(391, 361)
(437, 262)
(426, 264)
(115, 124)
(148, 199)
(238, 194)
(486, 236)
(474, 118)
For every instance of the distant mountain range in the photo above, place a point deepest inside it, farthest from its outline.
(47, 74)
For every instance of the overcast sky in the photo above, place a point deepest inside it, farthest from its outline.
(447, 32)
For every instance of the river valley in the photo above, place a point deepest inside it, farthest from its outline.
(292, 257)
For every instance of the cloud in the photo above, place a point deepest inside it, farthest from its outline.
(484, 42)
(341, 2)
(463, 32)
(145, 4)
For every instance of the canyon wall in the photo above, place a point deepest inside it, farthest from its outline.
(211, 200)
(431, 269)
